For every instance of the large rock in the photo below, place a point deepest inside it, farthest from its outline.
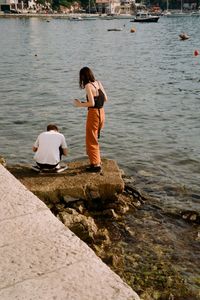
(83, 226)
(74, 183)
(2, 161)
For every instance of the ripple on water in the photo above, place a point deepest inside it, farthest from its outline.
(152, 121)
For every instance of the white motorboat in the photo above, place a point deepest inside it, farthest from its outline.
(196, 13)
(145, 17)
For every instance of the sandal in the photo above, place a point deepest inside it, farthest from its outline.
(93, 169)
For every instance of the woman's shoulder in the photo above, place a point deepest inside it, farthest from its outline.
(97, 84)
(92, 85)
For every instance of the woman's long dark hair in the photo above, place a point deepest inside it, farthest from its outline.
(85, 76)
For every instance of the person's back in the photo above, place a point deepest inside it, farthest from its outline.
(47, 147)
(48, 150)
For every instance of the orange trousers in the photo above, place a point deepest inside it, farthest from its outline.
(95, 122)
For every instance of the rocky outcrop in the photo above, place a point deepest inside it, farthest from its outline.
(2, 161)
(74, 183)
(82, 200)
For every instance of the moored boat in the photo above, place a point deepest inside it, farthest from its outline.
(145, 17)
(176, 14)
(196, 13)
(114, 29)
(76, 19)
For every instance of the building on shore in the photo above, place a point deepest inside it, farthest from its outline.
(115, 6)
(7, 5)
(16, 5)
(19, 6)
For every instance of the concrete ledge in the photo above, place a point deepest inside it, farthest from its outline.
(41, 259)
(75, 182)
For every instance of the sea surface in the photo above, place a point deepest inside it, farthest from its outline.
(153, 84)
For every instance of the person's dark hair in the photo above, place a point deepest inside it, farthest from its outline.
(85, 76)
(52, 127)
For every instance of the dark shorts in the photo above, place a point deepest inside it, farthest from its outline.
(46, 166)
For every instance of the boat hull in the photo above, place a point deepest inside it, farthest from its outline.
(146, 20)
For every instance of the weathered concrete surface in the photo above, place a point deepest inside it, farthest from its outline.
(41, 259)
(74, 182)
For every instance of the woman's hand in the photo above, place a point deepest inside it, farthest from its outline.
(77, 103)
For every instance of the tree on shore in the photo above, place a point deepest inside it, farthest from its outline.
(173, 4)
(56, 4)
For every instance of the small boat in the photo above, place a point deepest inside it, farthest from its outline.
(106, 17)
(166, 13)
(114, 29)
(196, 13)
(178, 14)
(145, 17)
(76, 19)
(89, 18)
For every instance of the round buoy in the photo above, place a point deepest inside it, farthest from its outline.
(196, 52)
(133, 29)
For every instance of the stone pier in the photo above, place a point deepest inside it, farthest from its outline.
(40, 258)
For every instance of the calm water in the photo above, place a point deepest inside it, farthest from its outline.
(152, 81)
(152, 118)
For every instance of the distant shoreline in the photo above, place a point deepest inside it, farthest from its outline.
(64, 16)
(28, 15)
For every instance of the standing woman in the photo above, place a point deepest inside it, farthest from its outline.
(96, 96)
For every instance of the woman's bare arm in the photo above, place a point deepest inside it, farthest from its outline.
(34, 149)
(90, 102)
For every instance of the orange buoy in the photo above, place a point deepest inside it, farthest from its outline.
(133, 29)
(196, 52)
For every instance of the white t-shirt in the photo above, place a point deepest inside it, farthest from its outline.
(48, 144)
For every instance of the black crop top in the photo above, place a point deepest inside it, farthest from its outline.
(98, 100)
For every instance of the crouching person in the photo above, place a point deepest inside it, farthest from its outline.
(49, 148)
